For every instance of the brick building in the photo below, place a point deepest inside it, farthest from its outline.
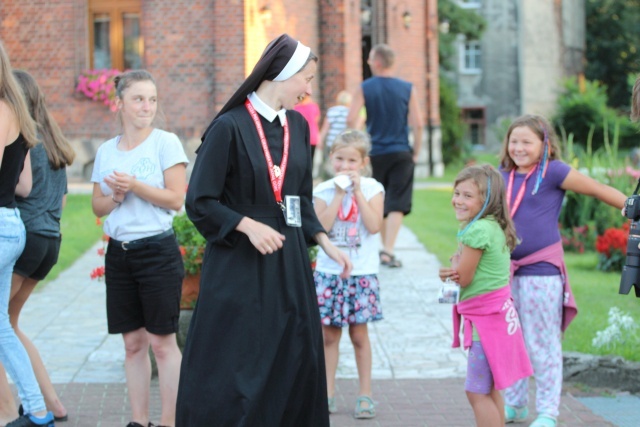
(199, 51)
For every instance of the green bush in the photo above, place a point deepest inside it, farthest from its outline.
(584, 110)
(454, 147)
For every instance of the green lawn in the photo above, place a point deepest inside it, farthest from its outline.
(79, 232)
(433, 221)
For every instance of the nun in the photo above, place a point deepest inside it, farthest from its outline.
(254, 354)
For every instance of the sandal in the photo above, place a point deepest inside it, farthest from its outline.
(513, 414)
(392, 262)
(364, 413)
(544, 421)
(333, 408)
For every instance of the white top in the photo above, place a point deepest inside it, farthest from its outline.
(364, 256)
(136, 218)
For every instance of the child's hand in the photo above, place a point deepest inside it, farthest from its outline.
(448, 273)
(355, 179)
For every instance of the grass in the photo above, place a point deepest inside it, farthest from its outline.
(433, 222)
(79, 232)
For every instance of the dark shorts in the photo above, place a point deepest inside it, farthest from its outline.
(39, 256)
(479, 376)
(144, 287)
(395, 172)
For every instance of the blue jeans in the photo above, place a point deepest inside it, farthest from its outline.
(12, 353)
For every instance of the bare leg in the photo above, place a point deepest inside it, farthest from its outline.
(169, 358)
(332, 336)
(137, 366)
(360, 338)
(486, 410)
(21, 288)
(391, 228)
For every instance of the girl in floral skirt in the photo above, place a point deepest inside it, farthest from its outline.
(350, 205)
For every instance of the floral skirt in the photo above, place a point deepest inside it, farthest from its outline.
(344, 302)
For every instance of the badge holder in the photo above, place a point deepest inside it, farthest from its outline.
(291, 210)
(449, 292)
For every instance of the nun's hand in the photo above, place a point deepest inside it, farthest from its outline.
(264, 238)
(335, 254)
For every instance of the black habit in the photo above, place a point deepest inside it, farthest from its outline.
(254, 353)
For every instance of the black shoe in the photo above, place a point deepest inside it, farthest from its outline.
(29, 420)
(135, 424)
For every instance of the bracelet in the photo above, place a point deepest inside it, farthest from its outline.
(114, 200)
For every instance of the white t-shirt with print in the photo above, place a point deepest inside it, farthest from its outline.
(364, 256)
(136, 218)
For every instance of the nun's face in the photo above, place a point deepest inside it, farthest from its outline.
(298, 86)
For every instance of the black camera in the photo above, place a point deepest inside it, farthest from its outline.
(631, 270)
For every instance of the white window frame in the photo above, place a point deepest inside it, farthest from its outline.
(475, 61)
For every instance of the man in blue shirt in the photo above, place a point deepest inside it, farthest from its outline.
(392, 106)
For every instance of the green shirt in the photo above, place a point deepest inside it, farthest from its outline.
(494, 267)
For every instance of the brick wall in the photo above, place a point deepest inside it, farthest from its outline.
(196, 51)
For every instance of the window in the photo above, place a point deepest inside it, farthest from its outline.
(471, 58)
(114, 30)
(470, 4)
(474, 117)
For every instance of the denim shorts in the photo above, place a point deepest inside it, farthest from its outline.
(39, 256)
(144, 286)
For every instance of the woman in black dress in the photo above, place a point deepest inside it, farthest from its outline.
(254, 353)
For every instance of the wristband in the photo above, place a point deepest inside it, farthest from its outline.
(114, 199)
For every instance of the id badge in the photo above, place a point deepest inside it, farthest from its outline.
(291, 211)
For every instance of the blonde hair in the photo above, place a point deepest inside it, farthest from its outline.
(343, 98)
(354, 139)
(58, 149)
(538, 125)
(497, 203)
(10, 92)
(384, 54)
(635, 101)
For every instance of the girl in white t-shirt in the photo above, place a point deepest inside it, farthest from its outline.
(350, 206)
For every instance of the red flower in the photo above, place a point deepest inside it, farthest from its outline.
(612, 239)
(183, 251)
(97, 272)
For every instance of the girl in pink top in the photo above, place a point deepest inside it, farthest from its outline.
(497, 356)
(311, 111)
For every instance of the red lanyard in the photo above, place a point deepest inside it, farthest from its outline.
(352, 216)
(520, 195)
(276, 173)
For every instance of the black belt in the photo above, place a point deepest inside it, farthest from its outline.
(141, 243)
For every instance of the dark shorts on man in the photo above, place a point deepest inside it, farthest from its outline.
(144, 286)
(395, 172)
(39, 256)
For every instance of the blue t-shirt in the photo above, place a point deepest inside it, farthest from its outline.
(387, 102)
(536, 220)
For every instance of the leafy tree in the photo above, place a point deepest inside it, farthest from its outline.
(613, 33)
(472, 25)
(460, 21)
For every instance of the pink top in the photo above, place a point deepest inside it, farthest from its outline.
(495, 317)
(553, 254)
(311, 112)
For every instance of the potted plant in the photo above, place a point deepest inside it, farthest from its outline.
(192, 246)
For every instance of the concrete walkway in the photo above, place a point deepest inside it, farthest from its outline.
(418, 377)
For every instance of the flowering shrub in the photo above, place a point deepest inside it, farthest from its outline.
(98, 85)
(191, 243)
(612, 246)
(622, 328)
(576, 239)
